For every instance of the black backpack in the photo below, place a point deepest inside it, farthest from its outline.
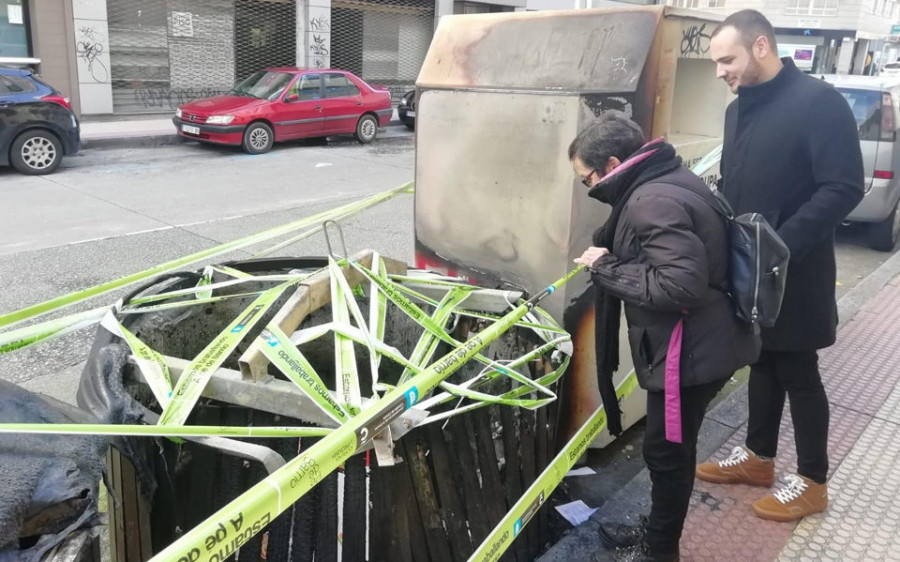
(757, 264)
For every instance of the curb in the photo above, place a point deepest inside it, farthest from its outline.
(142, 141)
(851, 303)
(720, 424)
(159, 139)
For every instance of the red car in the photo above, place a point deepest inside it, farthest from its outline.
(279, 104)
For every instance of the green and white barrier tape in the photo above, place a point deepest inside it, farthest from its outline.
(344, 353)
(279, 349)
(426, 322)
(377, 315)
(50, 330)
(150, 363)
(239, 521)
(198, 372)
(500, 539)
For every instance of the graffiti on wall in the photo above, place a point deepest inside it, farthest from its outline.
(171, 98)
(89, 47)
(320, 23)
(694, 41)
(319, 46)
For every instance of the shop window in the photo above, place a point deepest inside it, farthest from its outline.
(14, 40)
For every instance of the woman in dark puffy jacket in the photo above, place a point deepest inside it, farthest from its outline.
(662, 252)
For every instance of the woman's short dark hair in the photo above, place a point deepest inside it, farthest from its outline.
(611, 134)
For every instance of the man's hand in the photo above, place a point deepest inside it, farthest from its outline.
(591, 255)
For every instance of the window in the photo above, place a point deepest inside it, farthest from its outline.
(309, 87)
(263, 85)
(716, 3)
(339, 86)
(14, 40)
(866, 107)
(812, 7)
(690, 3)
(16, 85)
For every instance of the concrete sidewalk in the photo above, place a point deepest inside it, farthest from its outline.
(861, 373)
(159, 130)
(131, 132)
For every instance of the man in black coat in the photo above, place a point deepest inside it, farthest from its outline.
(792, 153)
(661, 252)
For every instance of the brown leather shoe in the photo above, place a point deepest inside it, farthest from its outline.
(799, 497)
(741, 467)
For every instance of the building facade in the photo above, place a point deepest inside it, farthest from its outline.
(824, 36)
(134, 57)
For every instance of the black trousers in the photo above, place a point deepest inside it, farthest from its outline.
(672, 465)
(795, 374)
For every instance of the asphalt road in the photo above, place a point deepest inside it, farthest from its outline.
(109, 213)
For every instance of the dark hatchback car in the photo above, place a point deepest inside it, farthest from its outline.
(406, 111)
(37, 125)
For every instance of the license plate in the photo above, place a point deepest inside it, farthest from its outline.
(410, 113)
(190, 130)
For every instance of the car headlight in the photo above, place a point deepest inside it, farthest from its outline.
(178, 113)
(220, 119)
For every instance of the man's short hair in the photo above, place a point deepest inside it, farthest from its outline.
(611, 134)
(751, 25)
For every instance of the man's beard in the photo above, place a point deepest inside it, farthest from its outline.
(752, 75)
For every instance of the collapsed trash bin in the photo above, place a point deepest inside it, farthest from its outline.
(500, 97)
(431, 492)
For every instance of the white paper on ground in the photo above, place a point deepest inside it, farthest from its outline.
(576, 512)
(583, 471)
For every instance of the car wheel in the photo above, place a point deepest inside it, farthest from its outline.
(366, 129)
(883, 235)
(410, 123)
(258, 139)
(36, 152)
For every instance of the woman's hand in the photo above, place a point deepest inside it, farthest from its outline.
(591, 255)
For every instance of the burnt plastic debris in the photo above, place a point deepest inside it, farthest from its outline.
(49, 485)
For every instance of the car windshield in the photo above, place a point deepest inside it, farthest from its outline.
(866, 107)
(893, 65)
(264, 85)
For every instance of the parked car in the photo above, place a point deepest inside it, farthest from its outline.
(875, 101)
(37, 125)
(406, 111)
(279, 104)
(890, 69)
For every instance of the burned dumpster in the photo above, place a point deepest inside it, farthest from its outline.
(500, 97)
(272, 374)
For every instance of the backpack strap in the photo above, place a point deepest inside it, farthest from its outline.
(720, 205)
